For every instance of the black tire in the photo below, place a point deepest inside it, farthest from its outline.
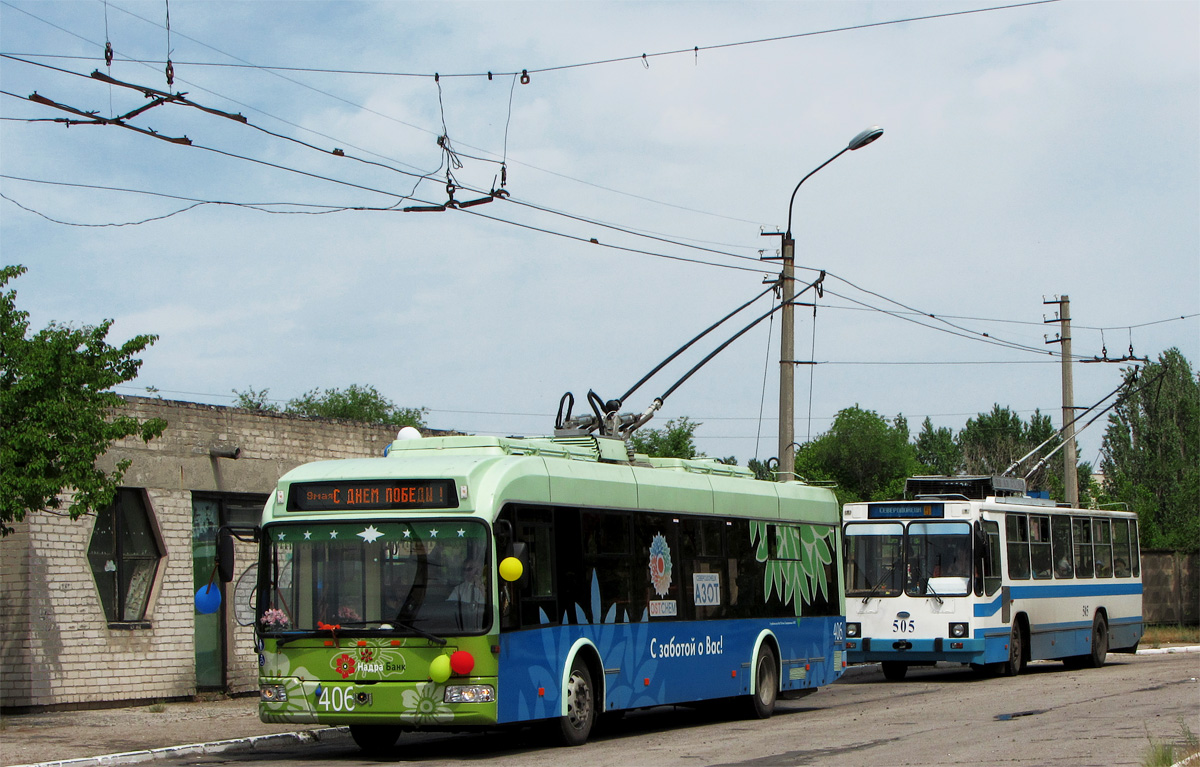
(576, 725)
(766, 683)
(374, 738)
(1099, 642)
(1016, 651)
(894, 670)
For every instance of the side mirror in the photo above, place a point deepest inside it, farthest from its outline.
(225, 560)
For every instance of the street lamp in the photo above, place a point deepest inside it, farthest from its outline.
(787, 365)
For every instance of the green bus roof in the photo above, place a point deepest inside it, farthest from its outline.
(490, 472)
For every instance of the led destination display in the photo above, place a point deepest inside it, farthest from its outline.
(376, 494)
(905, 510)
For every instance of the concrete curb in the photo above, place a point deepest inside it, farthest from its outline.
(216, 747)
(860, 669)
(1168, 650)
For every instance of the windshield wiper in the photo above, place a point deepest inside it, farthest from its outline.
(921, 575)
(281, 641)
(380, 625)
(419, 632)
(882, 581)
(383, 625)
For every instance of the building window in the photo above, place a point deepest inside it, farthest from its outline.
(124, 554)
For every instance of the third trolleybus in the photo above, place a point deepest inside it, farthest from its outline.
(973, 570)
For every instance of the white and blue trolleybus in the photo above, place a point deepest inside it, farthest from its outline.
(972, 570)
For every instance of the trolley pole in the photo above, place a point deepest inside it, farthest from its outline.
(1070, 471)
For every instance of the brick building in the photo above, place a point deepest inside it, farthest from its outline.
(101, 610)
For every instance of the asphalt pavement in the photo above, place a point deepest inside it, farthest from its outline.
(118, 736)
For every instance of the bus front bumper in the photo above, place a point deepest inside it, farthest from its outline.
(913, 650)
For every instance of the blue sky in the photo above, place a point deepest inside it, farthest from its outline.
(1029, 152)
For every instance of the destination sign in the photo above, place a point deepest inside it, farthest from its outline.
(374, 494)
(905, 510)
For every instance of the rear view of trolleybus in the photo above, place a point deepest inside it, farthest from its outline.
(974, 571)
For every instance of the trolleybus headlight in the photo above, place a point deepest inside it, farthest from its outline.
(470, 693)
(958, 630)
(853, 630)
(273, 693)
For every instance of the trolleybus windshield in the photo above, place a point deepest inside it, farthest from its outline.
(421, 577)
(934, 560)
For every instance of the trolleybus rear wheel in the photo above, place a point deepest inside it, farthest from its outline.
(1099, 642)
(766, 683)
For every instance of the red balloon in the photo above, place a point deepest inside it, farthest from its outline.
(462, 662)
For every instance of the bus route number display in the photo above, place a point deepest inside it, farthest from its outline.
(373, 494)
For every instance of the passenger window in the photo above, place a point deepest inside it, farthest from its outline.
(1134, 547)
(1060, 527)
(1016, 527)
(1121, 568)
(1040, 556)
(1081, 533)
(1102, 546)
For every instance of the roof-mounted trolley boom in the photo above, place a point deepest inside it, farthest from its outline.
(606, 418)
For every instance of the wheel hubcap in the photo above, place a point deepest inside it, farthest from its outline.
(579, 701)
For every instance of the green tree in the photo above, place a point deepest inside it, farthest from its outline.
(355, 403)
(867, 457)
(57, 412)
(675, 440)
(937, 450)
(761, 470)
(253, 399)
(992, 442)
(1152, 452)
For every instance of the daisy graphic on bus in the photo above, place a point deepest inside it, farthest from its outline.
(660, 565)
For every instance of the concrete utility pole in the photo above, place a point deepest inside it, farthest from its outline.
(787, 363)
(1070, 472)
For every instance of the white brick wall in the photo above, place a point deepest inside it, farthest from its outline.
(56, 647)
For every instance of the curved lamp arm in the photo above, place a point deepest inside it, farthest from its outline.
(858, 142)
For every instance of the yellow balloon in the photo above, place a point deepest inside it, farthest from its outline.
(439, 669)
(511, 569)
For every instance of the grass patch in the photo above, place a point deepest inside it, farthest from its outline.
(1161, 754)
(158, 707)
(1157, 636)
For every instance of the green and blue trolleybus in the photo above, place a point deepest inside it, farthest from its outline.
(463, 582)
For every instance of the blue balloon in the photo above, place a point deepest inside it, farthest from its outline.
(208, 599)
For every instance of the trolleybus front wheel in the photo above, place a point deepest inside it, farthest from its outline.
(576, 725)
(766, 683)
(374, 738)
(1016, 651)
